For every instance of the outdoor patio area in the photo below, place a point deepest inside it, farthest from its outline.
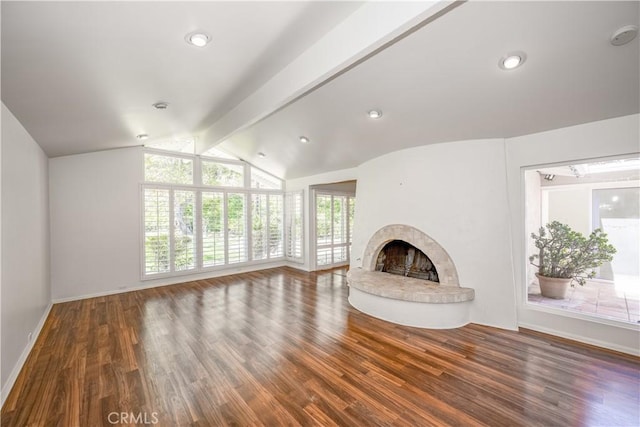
(611, 300)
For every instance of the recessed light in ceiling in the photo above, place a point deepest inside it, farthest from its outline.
(262, 155)
(198, 38)
(512, 60)
(304, 139)
(624, 35)
(374, 114)
(161, 105)
(142, 136)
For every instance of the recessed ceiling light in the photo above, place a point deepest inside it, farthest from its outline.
(512, 60)
(624, 35)
(262, 155)
(304, 139)
(375, 114)
(142, 136)
(198, 38)
(161, 105)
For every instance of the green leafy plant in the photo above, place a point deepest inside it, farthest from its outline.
(565, 253)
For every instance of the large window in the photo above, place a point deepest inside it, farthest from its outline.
(203, 213)
(602, 194)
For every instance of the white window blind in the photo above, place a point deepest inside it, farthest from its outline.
(259, 226)
(184, 242)
(157, 230)
(212, 229)
(276, 226)
(236, 228)
(294, 225)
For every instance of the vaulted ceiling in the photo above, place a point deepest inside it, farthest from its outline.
(82, 76)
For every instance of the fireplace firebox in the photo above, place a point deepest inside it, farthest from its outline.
(404, 259)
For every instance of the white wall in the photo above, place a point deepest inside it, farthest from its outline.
(95, 226)
(305, 184)
(456, 194)
(612, 137)
(95, 217)
(25, 286)
(571, 207)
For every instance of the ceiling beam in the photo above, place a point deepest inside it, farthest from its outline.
(371, 28)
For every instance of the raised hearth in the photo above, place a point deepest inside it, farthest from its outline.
(407, 288)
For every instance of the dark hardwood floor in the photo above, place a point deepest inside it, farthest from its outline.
(283, 347)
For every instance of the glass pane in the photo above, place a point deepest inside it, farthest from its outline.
(324, 256)
(339, 254)
(260, 179)
(222, 174)
(276, 229)
(156, 231)
(617, 212)
(259, 235)
(339, 219)
(168, 169)
(212, 229)
(183, 239)
(237, 228)
(323, 219)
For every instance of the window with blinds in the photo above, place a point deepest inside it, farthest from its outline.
(203, 213)
(276, 226)
(236, 228)
(184, 242)
(212, 229)
(294, 226)
(259, 226)
(334, 222)
(157, 231)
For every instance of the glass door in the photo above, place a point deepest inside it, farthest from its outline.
(333, 231)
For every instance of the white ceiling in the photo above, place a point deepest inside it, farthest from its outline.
(81, 76)
(441, 83)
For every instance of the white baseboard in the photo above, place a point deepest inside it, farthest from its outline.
(606, 345)
(23, 357)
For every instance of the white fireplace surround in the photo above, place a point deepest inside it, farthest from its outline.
(405, 300)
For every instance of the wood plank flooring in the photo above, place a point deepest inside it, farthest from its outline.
(283, 347)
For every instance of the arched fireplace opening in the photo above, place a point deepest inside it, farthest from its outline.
(404, 259)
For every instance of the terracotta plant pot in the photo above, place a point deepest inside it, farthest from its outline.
(553, 287)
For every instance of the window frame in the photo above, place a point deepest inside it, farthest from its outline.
(198, 188)
(523, 299)
(313, 250)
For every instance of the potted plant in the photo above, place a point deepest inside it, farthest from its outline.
(565, 256)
